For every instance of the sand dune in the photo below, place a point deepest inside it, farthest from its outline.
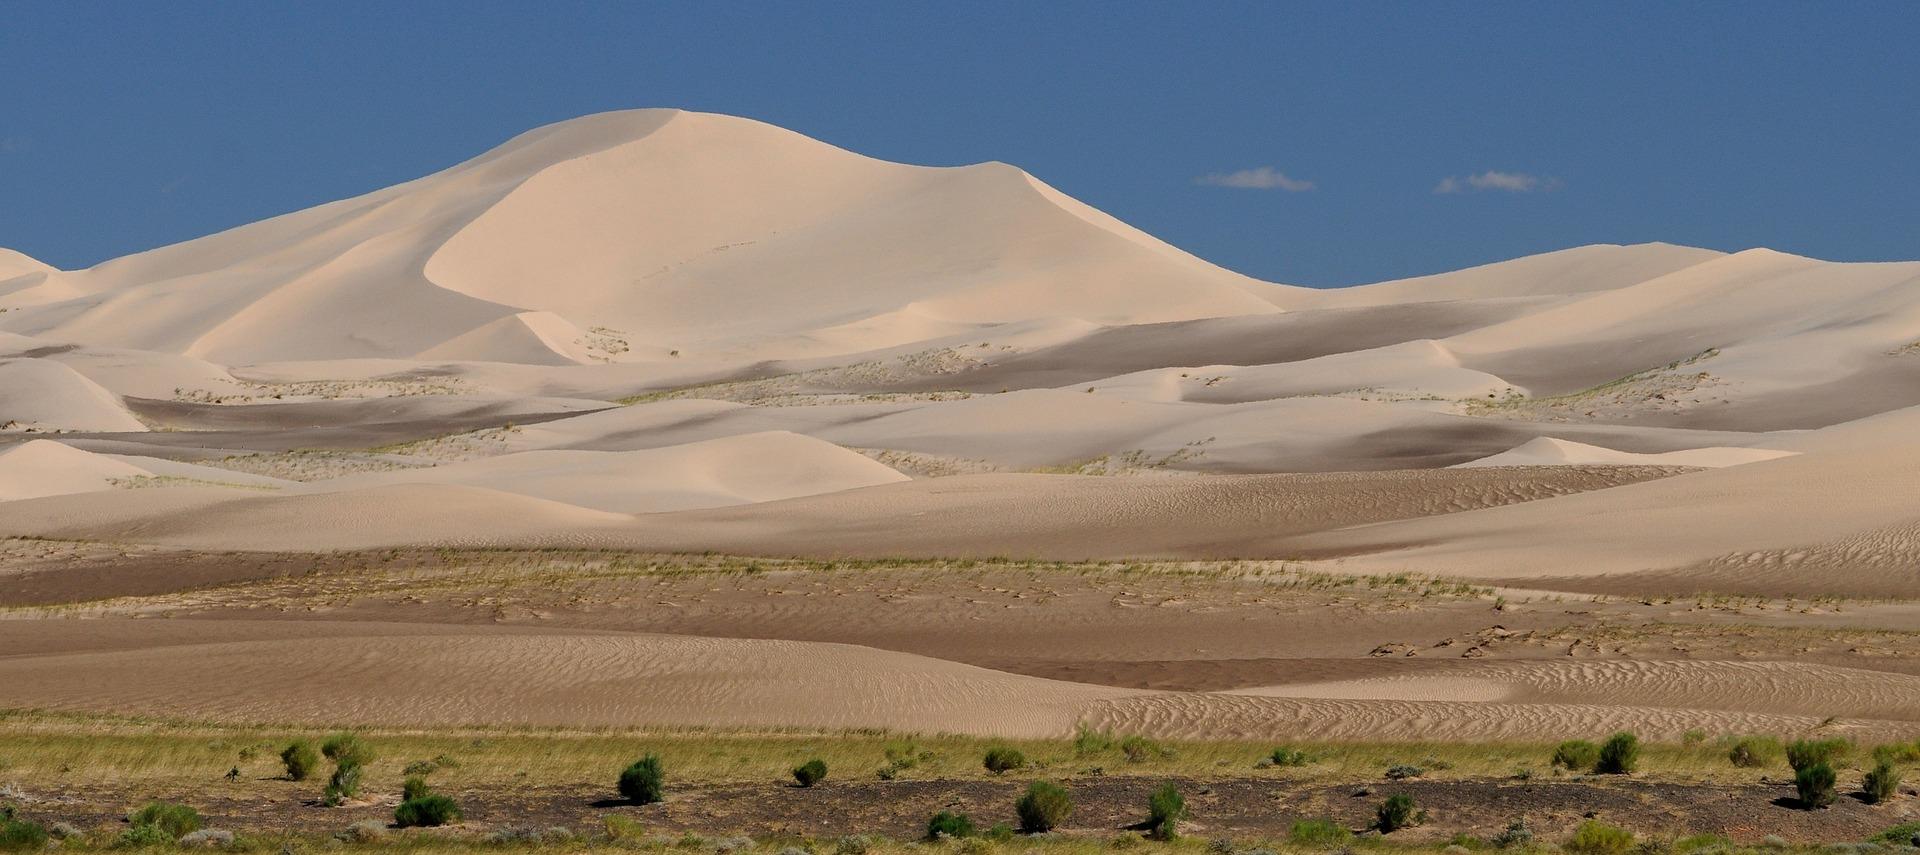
(46, 395)
(47, 468)
(1547, 451)
(1581, 270)
(732, 470)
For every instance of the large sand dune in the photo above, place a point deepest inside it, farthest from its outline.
(667, 331)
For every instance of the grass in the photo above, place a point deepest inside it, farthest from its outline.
(39, 748)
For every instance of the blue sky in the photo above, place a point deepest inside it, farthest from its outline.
(1303, 143)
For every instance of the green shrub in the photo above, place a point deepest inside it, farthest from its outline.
(343, 784)
(1318, 832)
(1697, 842)
(1284, 756)
(301, 759)
(1815, 785)
(175, 820)
(1402, 772)
(1516, 834)
(1753, 752)
(145, 836)
(1805, 753)
(1397, 812)
(347, 749)
(1576, 754)
(414, 788)
(811, 772)
(1087, 741)
(1899, 835)
(1881, 782)
(949, 824)
(426, 811)
(1618, 755)
(1000, 759)
(1165, 809)
(1140, 749)
(1594, 837)
(1898, 752)
(19, 835)
(1043, 808)
(643, 782)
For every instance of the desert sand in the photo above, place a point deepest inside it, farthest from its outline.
(666, 333)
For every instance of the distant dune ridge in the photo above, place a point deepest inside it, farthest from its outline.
(668, 329)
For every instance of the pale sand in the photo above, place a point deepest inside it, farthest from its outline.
(1643, 419)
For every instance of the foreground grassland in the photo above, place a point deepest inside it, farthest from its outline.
(728, 792)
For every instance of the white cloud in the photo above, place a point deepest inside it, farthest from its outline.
(11, 145)
(1262, 178)
(1493, 179)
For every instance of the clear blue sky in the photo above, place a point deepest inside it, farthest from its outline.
(128, 125)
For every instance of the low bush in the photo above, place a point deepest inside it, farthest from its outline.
(1814, 784)
(175, 820)
(1000, 758)
(1805, 753)
(811, 772)
(1087, 741)
(1402, 772)
(1284, 756)
(144, 836)
(19, 835)
(949, 824)
(343, 784)
(1594, 837)
(1899, 835)
(426, 811)
(1165, 809)
(1576, 754)
(1139, 749)
(1318, 832)
(1619, 755)
(644, 781)
(1517, 834)
(300, 759)
(1753, 752)
(207, 838)
(414, 788)
(1043, 808)
(1397, 812)
(1881, 782)
(347, 749)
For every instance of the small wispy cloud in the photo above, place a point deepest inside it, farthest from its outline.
(1494, 179)
(1261, 178)
(177, 183)
(13, 145)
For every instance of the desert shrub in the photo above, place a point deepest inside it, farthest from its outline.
(1814, 784)
(1576, 754)
(426, 811)
(207, 838)
(1752, 752)
(347, 749)
(1397, 812)
(1898, 752)
(1594, 837)
(1284, 756)
(811, 772)
(643, 782)
(1697, 842)
(175, 820)
(1881, 782)
(1318, 832)
(300, 759)
(1087, 741)
(144, 836)
(1516, 834)
(1043, 808)
(1402, 772)
(1693, 737)
(364, 831)
(1165, 809)
(1000, 759)
(949, 824)
(420, 768)
(1139, 749)
(343, 784)
(19, 835)
(414, 788)
(1618, 755)
(1899, 835)
(1804, 753)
